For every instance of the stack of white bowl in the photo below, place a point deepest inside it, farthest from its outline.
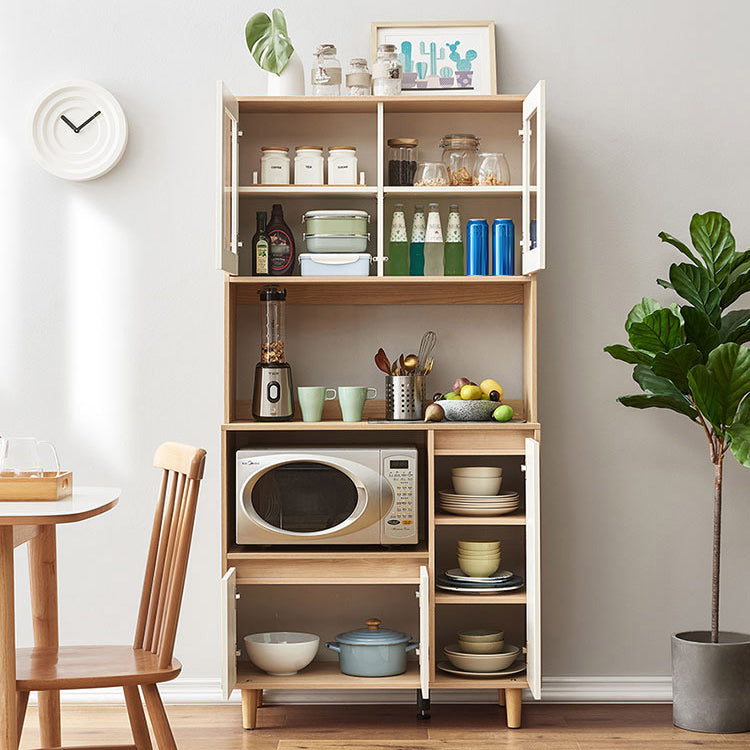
(481, 651)
(477, 493)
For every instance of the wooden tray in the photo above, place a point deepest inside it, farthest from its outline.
(50, 486)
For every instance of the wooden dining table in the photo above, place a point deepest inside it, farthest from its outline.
(35, 522)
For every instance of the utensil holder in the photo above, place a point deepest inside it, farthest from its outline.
(404, 397)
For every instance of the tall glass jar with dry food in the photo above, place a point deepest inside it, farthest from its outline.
(386, 72)
(459, 156)
(326, 72)
(402, 161)
(358, 79)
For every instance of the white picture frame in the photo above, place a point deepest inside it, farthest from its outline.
(441, 57)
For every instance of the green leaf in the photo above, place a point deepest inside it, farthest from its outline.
(693, 284)
(268, 41)
(712, 238)
(647, 401)
(659, 331)
(699, 330)
(739, 432)
(631, 356)
(735, 326)
(737, 287)
(706, 394)
(740, 260)
(681, 246)
(675, 364)
(645, 307)
(730, 366)
(666, 284)
(653, 383)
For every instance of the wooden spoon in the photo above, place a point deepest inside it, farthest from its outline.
(381, 360)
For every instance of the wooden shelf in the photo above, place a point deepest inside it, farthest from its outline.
(446, 597)
(457, 192)
(385, 290)
(334, 424)
(323, 675)
(320, 191)
(329, 552)
(445, 680)
(512, 519)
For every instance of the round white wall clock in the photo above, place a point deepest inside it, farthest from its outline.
(78, 131)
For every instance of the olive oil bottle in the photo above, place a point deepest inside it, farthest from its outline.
(259, 246)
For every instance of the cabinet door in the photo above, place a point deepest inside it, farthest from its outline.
(533, 571)
(424, 631)
(229, 632)
(227, 165)
(533, 251)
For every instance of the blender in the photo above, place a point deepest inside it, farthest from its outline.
(272, 392)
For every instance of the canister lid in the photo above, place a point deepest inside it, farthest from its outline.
(308, 148)
(342, 148)
(386, 48)
(274, 148)
(373, 635)
(408, 142)
(272, 294)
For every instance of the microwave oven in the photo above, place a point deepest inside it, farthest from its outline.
(327, 496)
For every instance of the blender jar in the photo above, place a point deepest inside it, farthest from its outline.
(272, 325)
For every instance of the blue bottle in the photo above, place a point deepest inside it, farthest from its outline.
(477, 247)
(503, 247)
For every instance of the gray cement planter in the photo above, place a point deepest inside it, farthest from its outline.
(711, 682)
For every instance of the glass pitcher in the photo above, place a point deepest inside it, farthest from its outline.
(19, 457)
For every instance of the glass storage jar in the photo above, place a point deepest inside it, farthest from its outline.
(459, 156)
(326, 72)
(274, 165)
(386, 72)
(342, 165)
(308, 165)
(402, 160)
(430, 174)
(491, 169)
(358, 79)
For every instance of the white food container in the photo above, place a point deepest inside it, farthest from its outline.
(336, 243)
(335, 264)
(274, 165)
(342, 165)
(308, 165)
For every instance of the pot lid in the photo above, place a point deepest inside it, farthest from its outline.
(336, 214)
(373, 635)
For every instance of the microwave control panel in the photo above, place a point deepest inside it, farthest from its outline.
(400, 522)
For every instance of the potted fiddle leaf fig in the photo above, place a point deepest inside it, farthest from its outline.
(269, 43)
(691, 357)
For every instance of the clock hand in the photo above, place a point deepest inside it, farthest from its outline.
(84, 124)
(69, 123)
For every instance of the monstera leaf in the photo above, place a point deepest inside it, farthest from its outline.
(659, 331)
(268, 41)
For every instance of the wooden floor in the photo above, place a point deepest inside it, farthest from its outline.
(551, 727)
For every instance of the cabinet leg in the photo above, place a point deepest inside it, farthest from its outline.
(250, 708)
(260, 698)
(423, 706)
(501, 697)
(513, 707)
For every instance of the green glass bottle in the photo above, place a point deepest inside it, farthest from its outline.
(454, 244)
(416, 246)
(398, 247)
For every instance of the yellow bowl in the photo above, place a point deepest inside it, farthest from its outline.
(478, 568)
(486, 647)
(478, 544)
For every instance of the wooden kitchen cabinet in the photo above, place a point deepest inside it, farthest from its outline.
(512, 124)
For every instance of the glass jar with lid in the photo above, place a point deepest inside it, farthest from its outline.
(274, 165)
(358, 79)
(460, 156)
(402, 160)
(491, 169)
(386, 72)
(326, 72)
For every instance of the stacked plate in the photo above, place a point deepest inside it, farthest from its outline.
(478, 505)
(498, 583)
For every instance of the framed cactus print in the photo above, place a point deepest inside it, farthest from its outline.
(441, 57)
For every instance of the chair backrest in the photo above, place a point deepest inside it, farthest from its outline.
(168, 553)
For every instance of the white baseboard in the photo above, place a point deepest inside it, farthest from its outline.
(554, 690)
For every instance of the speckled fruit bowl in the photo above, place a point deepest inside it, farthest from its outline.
(457, 410)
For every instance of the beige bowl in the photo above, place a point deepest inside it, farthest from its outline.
(481, 662)
(478, 568)
(281, 653)
(479, 552)
(486, 647)
(476, 471)
(478, 555)
(481, 545)
(484, 486)
(481, 635)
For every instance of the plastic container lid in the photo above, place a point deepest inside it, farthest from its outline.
(373, 635)
(336, 214)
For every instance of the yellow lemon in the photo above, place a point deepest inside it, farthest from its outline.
(471, 393)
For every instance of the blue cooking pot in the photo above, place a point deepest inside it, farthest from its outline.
(372, 651)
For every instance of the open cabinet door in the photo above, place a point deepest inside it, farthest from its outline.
(533, 570)
(533, 250)
(229, 117)
(424, 632)
(228, 633)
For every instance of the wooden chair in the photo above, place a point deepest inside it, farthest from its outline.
(149, 660)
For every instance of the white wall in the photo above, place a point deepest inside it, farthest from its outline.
(111, 308)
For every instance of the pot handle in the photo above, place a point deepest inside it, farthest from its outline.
(334, 646)
(409, 647)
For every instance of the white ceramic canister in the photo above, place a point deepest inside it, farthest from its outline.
(342, 165)
(308, 165)
(274, 165)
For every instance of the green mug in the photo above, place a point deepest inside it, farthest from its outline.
(311, 398)
(352, 399)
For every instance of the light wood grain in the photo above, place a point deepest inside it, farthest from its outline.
(8, 731)
(159, 721)
(137, 718)
(512, 519)
(529, 356)
(250, 708)
(513, 707)
(447, 597)
(22, 703)
(183, 459)
(22, 534)
(482, 441)
(323, 675)
(49, 486)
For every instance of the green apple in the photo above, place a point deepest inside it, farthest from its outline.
(451, 395)
(503, 413)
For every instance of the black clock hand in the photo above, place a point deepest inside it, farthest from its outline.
(69, 123)
(84, 124)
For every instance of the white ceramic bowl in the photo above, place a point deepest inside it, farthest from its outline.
(478, 568)
(481, 635)
(281, 653)
(477, 485)
(476, 471)
(483, 647)
(481, 662)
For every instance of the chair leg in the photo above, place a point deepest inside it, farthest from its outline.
(137, 718)
(22, 701)
(158, 716)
